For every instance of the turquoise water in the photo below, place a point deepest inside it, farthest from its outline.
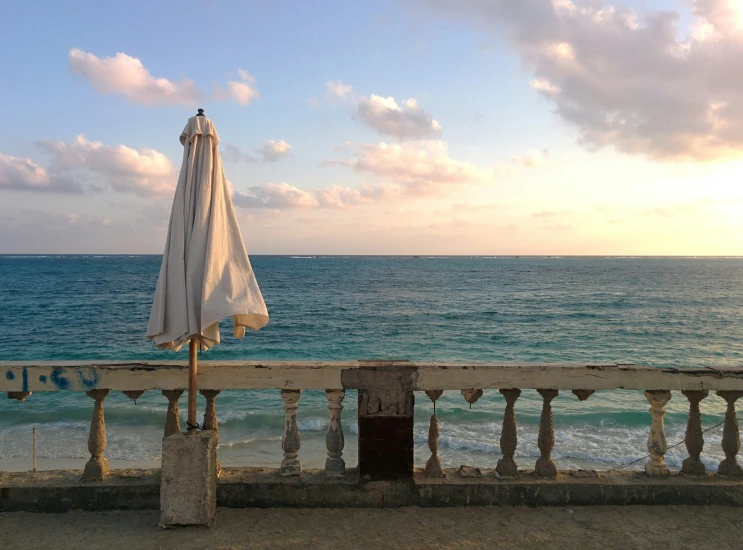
(683, 312)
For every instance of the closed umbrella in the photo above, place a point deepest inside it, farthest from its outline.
(205, 274)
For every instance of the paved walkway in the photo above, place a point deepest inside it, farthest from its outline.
(629, 527)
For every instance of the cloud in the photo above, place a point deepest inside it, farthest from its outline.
(242, 91)
(639, 84)
(232, 153)
(545, 87)
(545, 214)
(23, 174)
(274, 151)
(472, 208)
(534, 158)
(406, 121)
(270, 151)
(127, 76)
(338, 90)
(282, 196)
(419, 167)
(145, 172)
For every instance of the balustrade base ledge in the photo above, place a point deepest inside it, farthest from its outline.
(62, 490)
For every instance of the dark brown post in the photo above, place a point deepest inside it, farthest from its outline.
(385, 414)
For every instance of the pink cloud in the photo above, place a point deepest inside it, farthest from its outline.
(419, 167)
(145, 172)
(127, 76)
(639, 84)
(23, 174)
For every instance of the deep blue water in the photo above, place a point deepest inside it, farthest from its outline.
(684, 312)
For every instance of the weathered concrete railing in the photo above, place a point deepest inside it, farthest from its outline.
(386, 402)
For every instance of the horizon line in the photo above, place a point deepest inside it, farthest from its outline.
(419, 255)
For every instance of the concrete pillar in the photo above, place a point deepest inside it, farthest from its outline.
(188, 485)
(385, 414)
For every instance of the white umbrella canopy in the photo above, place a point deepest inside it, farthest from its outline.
(205, 274)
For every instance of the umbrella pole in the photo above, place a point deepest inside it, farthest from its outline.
(193, 350)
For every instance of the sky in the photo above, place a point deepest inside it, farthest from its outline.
(443, 127)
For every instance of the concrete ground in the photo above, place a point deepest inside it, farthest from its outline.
(606, 527)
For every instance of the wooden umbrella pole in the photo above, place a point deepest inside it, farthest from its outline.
(193, 350)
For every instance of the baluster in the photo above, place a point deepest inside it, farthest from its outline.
(173, 416)
(133, 394)
(730, 436)
(433, 466)
(583, 394)
(210, 414)
(508, 439)
(694, 439)
(471, 395)
(97, 467)
(290, 440)
(334, 441)
(18, 395)
(657, 444)
(545, 467)
(210, 418)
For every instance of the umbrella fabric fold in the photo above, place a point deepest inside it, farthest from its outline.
(205, 274)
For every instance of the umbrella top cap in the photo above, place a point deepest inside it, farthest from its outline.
(199, 125)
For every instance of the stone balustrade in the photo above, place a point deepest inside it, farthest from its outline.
(386, 404)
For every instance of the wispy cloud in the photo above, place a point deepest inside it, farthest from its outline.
(533, 158)
(282, 196)
(232, 153)
(269, 151)
(419, 167)
(338, 90)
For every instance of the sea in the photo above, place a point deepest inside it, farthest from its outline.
(662, 312)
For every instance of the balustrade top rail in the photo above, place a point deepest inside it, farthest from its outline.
(39, 376)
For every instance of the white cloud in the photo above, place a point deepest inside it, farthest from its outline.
(406, 121)
(544, 86)
(242, 91)
(403, 120)
(282, 196)
(273, 151)
(338, 90)
(127, 76)
(145, 172)
(419, 167)
(534, 158)
(639, 84)
(23, 174)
